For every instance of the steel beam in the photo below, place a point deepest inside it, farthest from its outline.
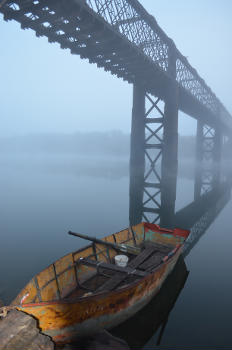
(153, 150)
(154, 144)
(208, 158)
(198, 161)
(146, 156)
(170, 149)
(137, 158)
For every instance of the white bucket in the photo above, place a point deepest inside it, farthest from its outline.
(121, 260)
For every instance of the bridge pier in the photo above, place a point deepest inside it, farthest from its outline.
(170, 158)
(217, 156)
(198, 160)
(137, 156)
(153, 158)
(208, 158)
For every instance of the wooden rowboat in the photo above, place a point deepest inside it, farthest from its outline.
(86, 291)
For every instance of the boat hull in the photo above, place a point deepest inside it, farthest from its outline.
(67, 320)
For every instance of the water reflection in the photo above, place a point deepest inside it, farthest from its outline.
(152, 318)
(201, 213)
(197, 216)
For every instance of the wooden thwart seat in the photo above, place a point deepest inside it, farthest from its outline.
(150, 257)
(112, 283)
(152, 262)
(118, 278)
(144, 255)
(112, 267)
(161, 248)
(121, 273)
(155, 259)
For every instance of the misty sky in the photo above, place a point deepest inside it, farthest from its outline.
(46, 89)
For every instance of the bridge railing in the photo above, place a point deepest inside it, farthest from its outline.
(140, 28)
(131, 23)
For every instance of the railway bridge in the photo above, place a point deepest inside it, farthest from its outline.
(124, 39)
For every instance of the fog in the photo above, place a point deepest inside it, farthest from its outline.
(95, 154)
(100, 154)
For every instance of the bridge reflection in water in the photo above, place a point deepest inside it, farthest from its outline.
(208, 202)
(211, 195)
(138, 330)
(151, 321)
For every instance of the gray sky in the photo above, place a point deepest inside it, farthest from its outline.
(46, 89)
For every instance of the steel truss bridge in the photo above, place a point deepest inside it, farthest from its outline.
(124, 39)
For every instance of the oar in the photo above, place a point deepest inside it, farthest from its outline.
(121, 247)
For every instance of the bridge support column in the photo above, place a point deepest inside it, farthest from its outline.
(137, 155)
(198, 160)
(208, 158)
(170, 150)
(170, 158)
(153, 161)
(217, 156)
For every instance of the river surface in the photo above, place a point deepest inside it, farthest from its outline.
(42, 197)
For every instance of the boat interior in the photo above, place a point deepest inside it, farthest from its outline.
(94, 269)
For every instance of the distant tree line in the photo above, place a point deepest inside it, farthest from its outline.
(91, 143)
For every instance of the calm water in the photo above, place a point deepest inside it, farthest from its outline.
(42, 197)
